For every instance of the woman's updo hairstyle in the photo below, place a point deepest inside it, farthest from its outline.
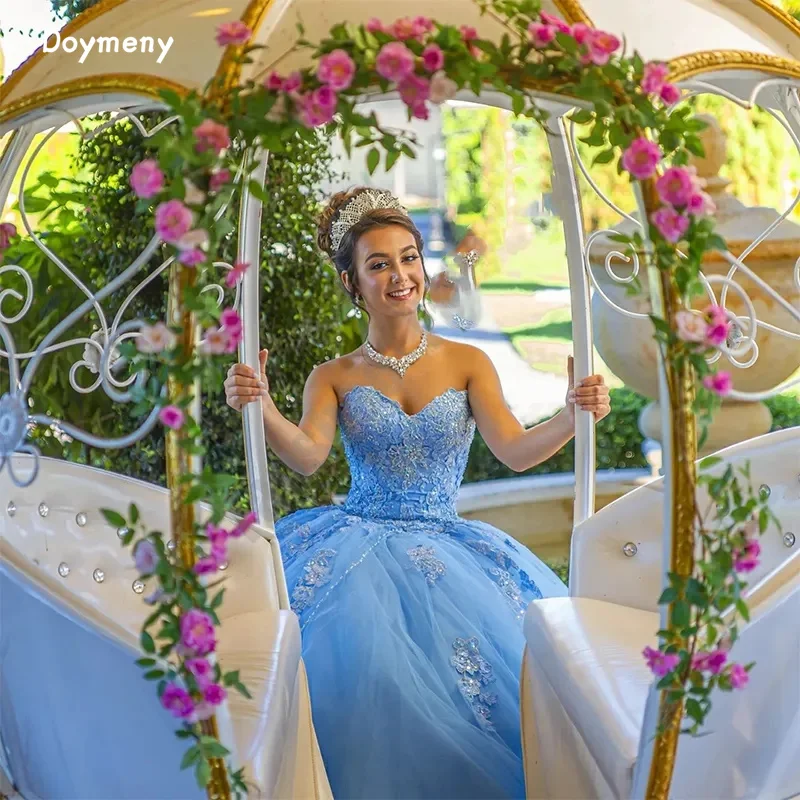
(343, 258)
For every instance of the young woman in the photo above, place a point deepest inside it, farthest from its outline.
(411, 616)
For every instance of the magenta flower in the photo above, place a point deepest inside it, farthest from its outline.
(236, 274)
(424, 24)
(318, 107)
(712, 661)
(660, 663)
(541, 34)
(244, 524)
(336, 69)
(172, 417)
(720, 383)
(468, 33)
(146, 557)
(147, 179)
(235, 32)
(676, 186)
(441, 89)
(432, 58)
(218, 179)
(580, 32)
(738, 676)
(197, 632)
(230, 320)
(214, 694)
(555, 22)
(8, 231)
(718, 334)
(670, 93)
(700, 204)
(177, 701)
(641, 158)
(691, 327)
(205, 565)
(173, 220)
(274, 82)
(211, 135)
(414, 91)
(669, 223)
(715, 315)
(746, 560)
(407, 28)
(394, 62)
(374, 25)
(201, 670)
(293, 83)
(602, 46)
(655, 73)
(192, 257)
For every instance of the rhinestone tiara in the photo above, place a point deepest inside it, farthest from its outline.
(352, 212)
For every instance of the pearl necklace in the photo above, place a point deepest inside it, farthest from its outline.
(399, 365)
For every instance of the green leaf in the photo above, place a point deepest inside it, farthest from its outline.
(668, 596)
(373, 159)
(581, 116)
(743, 610)
(191, 756)
(114, 518)
(681, 614)
(154, 675)
(604, 157)
(708, 463)
(146, 662)
(146, 640)
(133, 513)
(203, 773)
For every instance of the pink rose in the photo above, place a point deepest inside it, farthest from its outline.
(715, 315)
(712, 661)
(155, 338)
(214, 694)
(720, 383)
(641, 158)
(177, 701)
(555, 22)
(8, 231)
(192, 257)
(235, 32)
(660, 663)
(145, 556)
(201, 670)
(580, 32)
(205, 565)
(230, 320)
(541, 35)
(675, 186)
(718, 334)
(172, 417)
(211, 135)
(602, 46)
(655, 73)
(670, 224)
(215, 342)
(173, 220)
(318, 107)
(414, 91)
(244, 525)
(218, 179)
(197, 632)
(336, 69)
(293, 83)
(468, 34)
(147, 179)
(424, 24)
(406, 28)
(700, 204)
(236, 274)
(374, 25)
(746, 560)
(432, 58)
(441, 89)
(394, 62)
(691, 327)
(670, 93)
(738, 676)
(274, 82)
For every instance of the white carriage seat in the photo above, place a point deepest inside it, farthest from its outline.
(585, 685)
(76, 718)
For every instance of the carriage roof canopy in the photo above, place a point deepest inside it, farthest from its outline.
(671, 31)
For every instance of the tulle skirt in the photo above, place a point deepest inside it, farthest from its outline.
(413, 643)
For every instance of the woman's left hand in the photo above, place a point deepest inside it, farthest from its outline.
(591, 394)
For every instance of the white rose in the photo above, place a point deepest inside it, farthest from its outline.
(442, 88)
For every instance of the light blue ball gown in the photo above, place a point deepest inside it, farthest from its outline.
(411, 616)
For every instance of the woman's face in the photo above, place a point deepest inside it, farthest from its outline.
(388, 264)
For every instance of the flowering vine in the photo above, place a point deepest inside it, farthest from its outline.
(630, 108)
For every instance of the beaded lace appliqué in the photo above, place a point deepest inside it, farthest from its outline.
(476, 674)
(316, 573)
(424, 559)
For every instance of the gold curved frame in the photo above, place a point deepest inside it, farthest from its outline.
(779, 14)
(694, 64)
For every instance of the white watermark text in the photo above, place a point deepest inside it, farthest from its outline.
(108, 44)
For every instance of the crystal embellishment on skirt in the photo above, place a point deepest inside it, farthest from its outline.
(316, 573)
(424, 559)
(476, 674)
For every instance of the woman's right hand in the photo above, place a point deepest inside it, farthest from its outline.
(243, 386)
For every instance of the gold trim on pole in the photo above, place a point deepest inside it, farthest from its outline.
(148, 85)
(779, 14)
(179, 463)
(573, 12)
(689, 66)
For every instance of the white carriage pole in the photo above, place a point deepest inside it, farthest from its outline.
(255, 443)
(568, 205)
(11, 158)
